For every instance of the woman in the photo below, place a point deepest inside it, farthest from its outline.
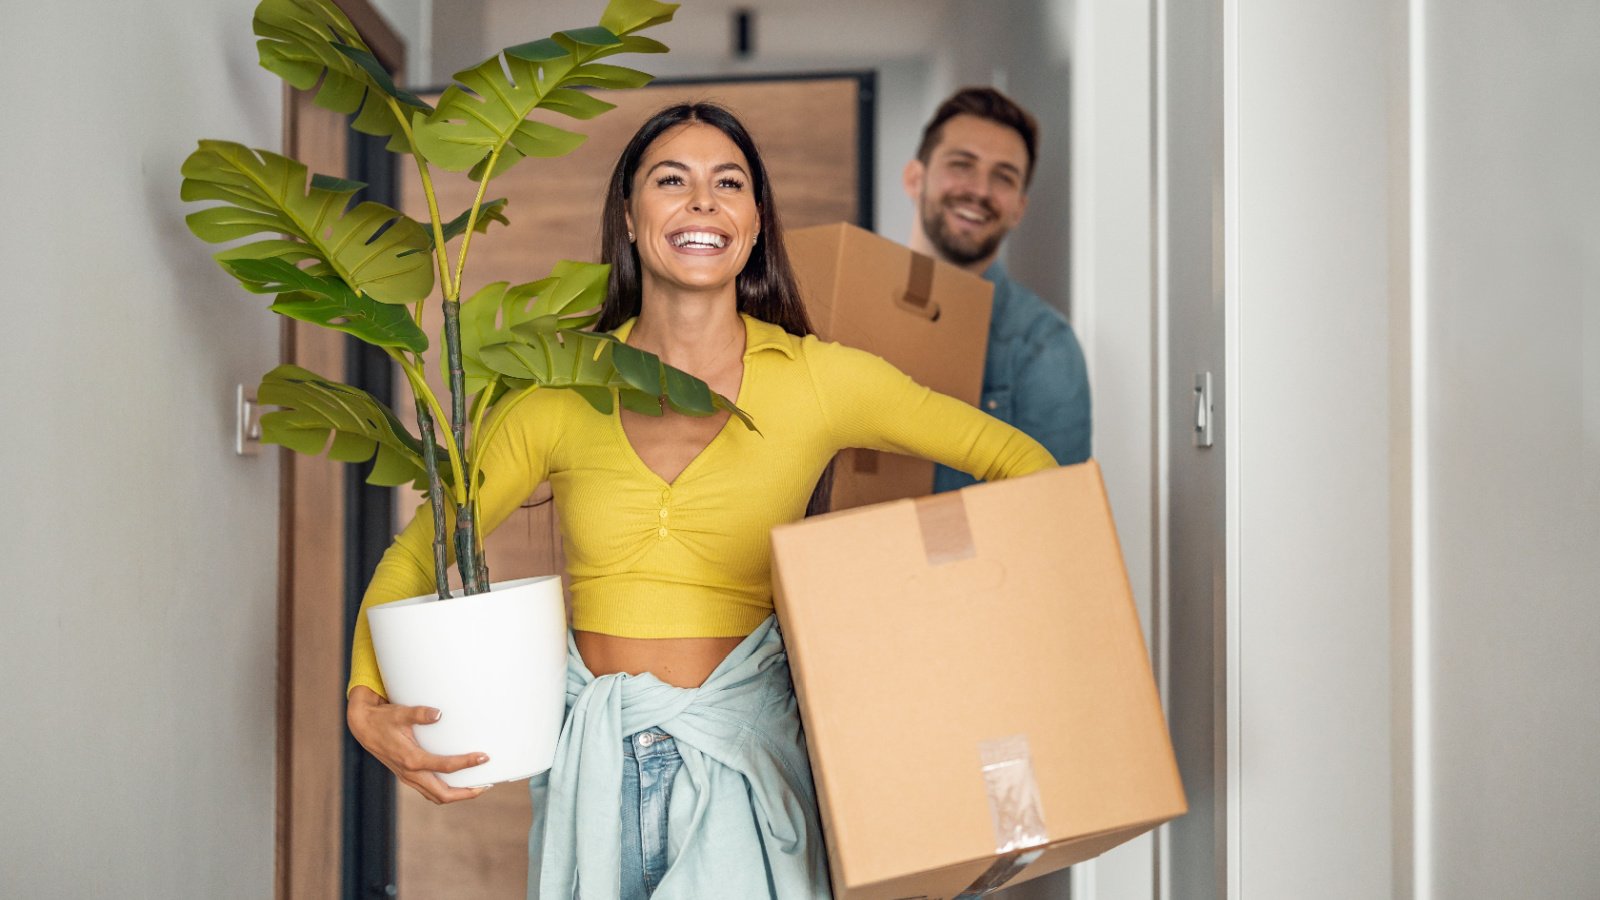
(679, 699)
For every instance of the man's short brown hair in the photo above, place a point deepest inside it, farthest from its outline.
(985, 103)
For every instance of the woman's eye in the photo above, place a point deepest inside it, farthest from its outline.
(731, 184)
(666, 180)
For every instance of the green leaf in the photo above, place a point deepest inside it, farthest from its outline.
(368, 246)
(486, 318)
(642, 402)
(602, 75)
(639, 368)
(741, 415)
(490, 212)
(328, 302)
(577, 104)
(687, 394)
(321, 416)
(593, 364)
(307, 42)
(636, 43)
(575, 286)
(380, 76)
(486, 115)
(593, 36)
(542, 50)
(339, 185)
(627, 16)
(597, 397)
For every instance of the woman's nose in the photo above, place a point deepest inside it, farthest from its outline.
(703, 202)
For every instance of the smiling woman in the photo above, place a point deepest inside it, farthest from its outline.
(679, 697)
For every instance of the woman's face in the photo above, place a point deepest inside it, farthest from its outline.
(693, 213)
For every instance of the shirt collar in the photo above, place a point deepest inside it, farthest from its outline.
(758, 336)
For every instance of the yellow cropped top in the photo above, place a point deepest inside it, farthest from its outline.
(649, 559)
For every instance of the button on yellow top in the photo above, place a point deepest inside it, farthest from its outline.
(662, 531)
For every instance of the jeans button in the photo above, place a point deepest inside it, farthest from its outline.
(646, 739)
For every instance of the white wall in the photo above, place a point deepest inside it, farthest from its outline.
(139, 637)
(1309, 306)
(1511, 249)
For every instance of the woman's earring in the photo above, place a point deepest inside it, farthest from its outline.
(630, 237)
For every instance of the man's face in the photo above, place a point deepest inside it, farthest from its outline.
(970, 192)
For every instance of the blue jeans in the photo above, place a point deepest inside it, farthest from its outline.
(650, 761)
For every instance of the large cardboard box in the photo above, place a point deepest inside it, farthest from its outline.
(930, 319)
(977, 697)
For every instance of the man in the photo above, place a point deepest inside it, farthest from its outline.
(970, 185)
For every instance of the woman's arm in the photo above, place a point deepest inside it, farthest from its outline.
(869, 403)
(512, 467)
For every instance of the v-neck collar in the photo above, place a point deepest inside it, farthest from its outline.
(758, 336)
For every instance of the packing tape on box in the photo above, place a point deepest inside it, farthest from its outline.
(946, 536)
(1016, 809)
(919, 288)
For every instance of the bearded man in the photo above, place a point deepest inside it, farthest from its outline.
(970, 185)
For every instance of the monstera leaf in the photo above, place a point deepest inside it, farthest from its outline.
(486, 115)
(329, 302)
(304, 41)
(562, 300)
(368, 246)
(315, 410)
(545, 355)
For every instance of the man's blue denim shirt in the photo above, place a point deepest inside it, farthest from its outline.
(1034, 377)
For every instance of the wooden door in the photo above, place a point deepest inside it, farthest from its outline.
(810, 132)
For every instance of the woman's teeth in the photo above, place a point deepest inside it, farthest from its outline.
(702, 240)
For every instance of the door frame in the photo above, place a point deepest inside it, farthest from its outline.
(311, 555)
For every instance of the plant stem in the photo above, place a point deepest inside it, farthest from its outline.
(443, 260)
(465, 539)
(430, 461)
(477, 435)
(502, 410)
(469, 556)
(472, 217)
(420, 389)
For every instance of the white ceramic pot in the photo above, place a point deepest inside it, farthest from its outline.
(494, 665)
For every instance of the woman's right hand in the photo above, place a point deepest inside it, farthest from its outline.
(384, 728)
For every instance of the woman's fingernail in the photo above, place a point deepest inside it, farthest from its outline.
(482, 759)
(485, 788)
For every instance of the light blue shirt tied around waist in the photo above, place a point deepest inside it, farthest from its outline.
(742, 820)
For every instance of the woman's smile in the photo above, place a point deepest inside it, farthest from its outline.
(703, 241)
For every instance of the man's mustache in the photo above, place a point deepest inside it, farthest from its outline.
(973, 200)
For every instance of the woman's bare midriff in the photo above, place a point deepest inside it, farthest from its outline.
(680, 662)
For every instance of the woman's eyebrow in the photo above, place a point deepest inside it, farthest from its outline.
(720, 167)
(669, 163)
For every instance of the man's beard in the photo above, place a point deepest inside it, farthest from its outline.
(963, 251)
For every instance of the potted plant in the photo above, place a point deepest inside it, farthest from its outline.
(367, 269)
